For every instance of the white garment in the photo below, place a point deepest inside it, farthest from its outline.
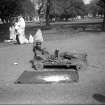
(20, 27)
(12, 33)
(38, 36)
(21, 22)
(31, 40)
(22, 39)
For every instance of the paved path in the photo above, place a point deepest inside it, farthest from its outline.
(87, 91)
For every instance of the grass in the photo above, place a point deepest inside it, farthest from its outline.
(51, 33)
(54, 32)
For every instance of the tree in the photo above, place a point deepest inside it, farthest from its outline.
(67, 8)
(93, 8)
(62, 9)
(75, 8)
(45, 10)
(27, 7)
(101, 3)
(11, 8)
(47, 13)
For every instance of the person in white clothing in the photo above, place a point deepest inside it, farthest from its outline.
(20, 28)
(12, 32)
(38, 36)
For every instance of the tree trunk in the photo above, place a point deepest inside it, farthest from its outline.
(47, 13)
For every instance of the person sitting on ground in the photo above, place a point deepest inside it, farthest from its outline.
(39, 52)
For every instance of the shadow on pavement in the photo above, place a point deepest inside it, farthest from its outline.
(99, 98)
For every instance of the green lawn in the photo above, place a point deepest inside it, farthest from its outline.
(54, 32)
(51, 33)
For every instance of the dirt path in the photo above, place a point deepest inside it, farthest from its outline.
(88, 90)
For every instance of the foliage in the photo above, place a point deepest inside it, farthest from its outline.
(11, 8)
(68, 8)
(101, 3)
(93, 8)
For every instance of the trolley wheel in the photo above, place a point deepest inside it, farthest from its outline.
(78, 66)
(39, 66)
(82, 66)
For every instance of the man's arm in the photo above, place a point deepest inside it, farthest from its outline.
(44, 51)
